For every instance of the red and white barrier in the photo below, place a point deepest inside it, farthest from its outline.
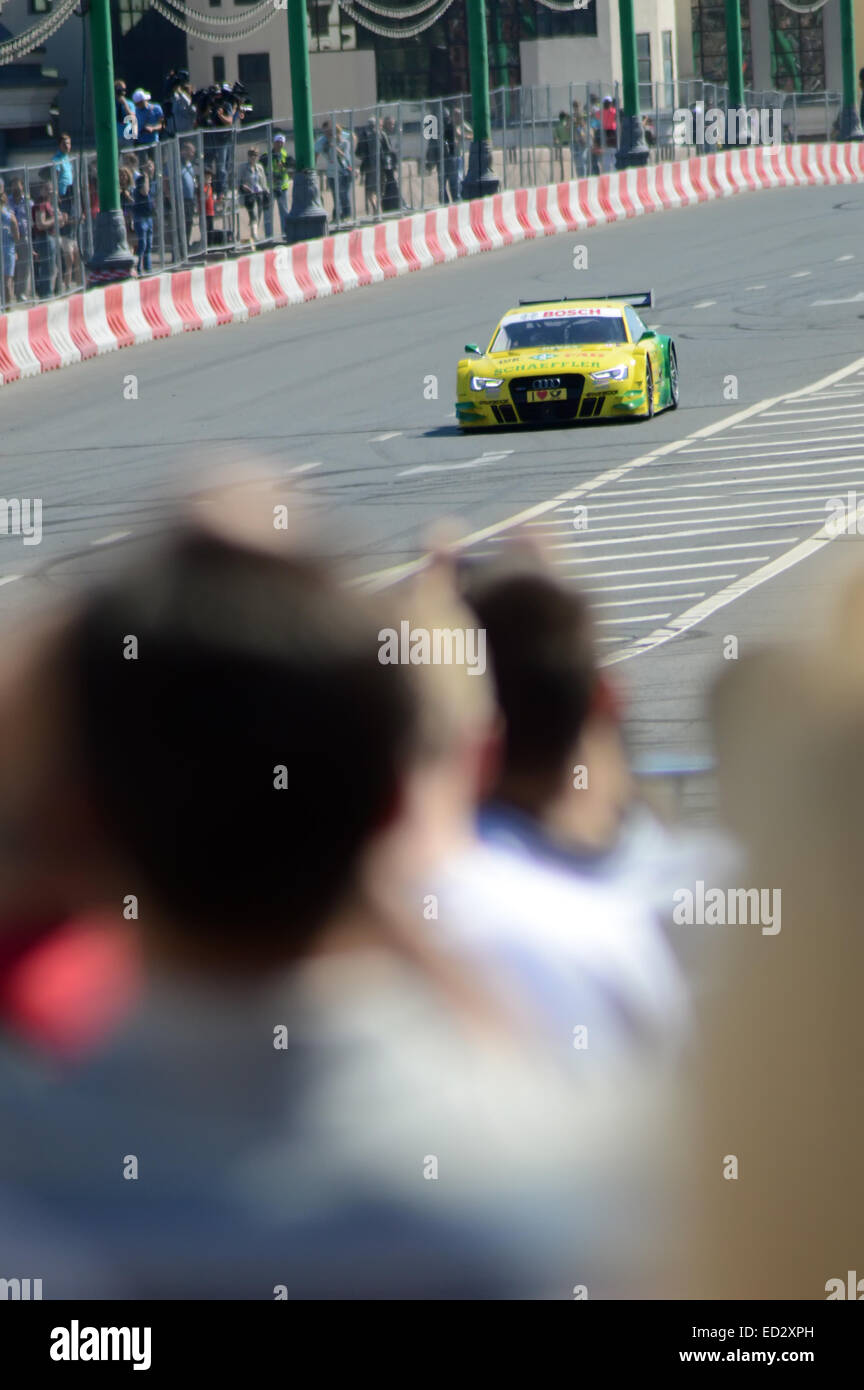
(60, 332)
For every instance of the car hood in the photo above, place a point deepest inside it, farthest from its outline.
(550, 361)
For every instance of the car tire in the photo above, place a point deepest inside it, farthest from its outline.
(673, 378)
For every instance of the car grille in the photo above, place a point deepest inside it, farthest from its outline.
(546, 412)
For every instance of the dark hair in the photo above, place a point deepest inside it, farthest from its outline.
(246, 662)
(540, 645)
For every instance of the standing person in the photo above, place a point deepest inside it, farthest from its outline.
(562, 138)
(252, 183)
(142, 219)
(189, 186)
(21, 208)
(182, 106)
(219, 142)
(209, 201)
(368, 154)
(9, 236)
(62, 161)
(127, 187)
(280, 166)
(44, 240)
(579, 137)
(453, 168)
(609, 123)
(391, 194)
(335, 145)
(595, 132)
(127, 120)
(149, 115)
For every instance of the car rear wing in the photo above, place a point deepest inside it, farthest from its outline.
(640, 299)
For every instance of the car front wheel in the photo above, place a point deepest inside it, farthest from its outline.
(673, 378)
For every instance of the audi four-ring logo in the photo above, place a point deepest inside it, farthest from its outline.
(546, 383)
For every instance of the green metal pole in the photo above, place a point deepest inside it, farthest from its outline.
(632, 149)
(734, 54)
(850, 122)
(307, 218)
(480, 180)
(112, 259)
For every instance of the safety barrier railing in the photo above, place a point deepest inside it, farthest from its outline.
(217, 192)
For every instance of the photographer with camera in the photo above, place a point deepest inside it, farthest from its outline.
(178, 107)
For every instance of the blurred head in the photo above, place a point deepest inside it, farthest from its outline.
(17, 189)
(439, 640)
(64, 144)
(238, 740)
(558, 714)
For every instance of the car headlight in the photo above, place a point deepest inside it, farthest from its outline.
(486, 383)
(612, 374)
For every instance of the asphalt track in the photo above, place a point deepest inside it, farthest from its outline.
(341, 392)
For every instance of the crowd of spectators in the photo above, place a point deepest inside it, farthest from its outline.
(223, 191)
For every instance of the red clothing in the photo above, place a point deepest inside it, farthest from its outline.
(64, 986)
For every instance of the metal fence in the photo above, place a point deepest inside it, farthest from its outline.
(204, 195)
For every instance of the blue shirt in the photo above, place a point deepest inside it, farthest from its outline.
(64, 172)
(148, 115)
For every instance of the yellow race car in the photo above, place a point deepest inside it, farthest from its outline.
(562, 360)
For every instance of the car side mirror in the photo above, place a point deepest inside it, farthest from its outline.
(649, 333)
(472, 347)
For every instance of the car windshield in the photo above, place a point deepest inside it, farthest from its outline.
(558, 328)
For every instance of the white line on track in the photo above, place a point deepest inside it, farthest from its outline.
(844, 258)
(821, 408)
(799, 274)
(705, 304)
(673, 535)
(746, 491)
(656, 554)
(850, 299)
(705, 506)
(452, 467)
(380, 438)
(645, 618)
(726, 523)
(783, 453)
(659, 584)
(667, 569)
(812, 442)
(632, 602)
(755, 287)
(109, 540)
(302, 468)
(9, 578)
